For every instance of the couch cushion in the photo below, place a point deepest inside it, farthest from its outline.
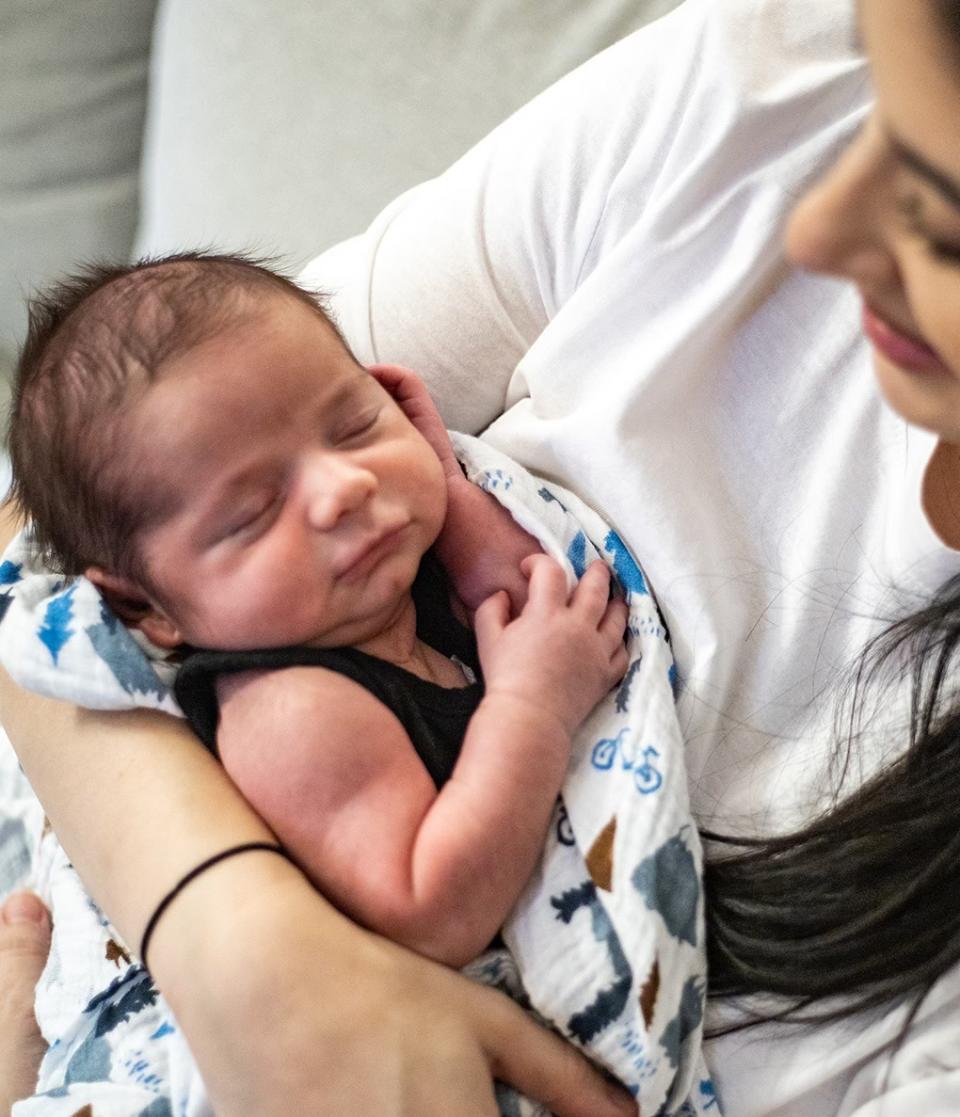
(73, 83)
(283, 128)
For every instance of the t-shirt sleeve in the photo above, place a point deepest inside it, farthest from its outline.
(458, 277)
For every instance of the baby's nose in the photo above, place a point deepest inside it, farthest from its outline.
(335, 487)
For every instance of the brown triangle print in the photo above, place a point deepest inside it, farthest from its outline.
(648, 993)
(116, 953)
(600, 857)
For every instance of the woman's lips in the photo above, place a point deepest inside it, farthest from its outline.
(903, 350)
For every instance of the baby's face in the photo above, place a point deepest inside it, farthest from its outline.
(304, 498)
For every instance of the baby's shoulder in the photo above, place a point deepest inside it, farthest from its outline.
(296, 698)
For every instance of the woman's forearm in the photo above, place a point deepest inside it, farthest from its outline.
(137, 802)
(134, 799)
(132, 796)
(287, 1006)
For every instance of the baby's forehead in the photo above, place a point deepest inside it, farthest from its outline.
(276, 367)
(158, 311)
(120, 336)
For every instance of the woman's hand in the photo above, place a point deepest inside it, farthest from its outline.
(292, 1009)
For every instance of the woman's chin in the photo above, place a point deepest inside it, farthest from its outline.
(929, 400)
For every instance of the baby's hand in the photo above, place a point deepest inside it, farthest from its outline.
(560, 654)
(480, 545)
(411, 396)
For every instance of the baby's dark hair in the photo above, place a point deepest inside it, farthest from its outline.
(95, 342)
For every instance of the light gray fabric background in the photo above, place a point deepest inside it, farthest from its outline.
(73, 93)
(290, 133)
(278, 128)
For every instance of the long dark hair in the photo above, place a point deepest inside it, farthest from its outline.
(861, 908)
(863, 904)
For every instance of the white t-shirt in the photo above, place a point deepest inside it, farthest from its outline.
(600, 288)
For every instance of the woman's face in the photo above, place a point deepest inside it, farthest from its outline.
(887, 215)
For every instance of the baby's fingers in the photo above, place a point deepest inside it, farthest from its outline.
(547, 580)
(491, 618)
(592, 592)
(614, 621)
(611, 630)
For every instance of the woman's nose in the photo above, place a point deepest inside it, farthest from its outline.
(334, 487)
(842, 225)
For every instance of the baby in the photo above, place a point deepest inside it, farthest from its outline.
(194, 436)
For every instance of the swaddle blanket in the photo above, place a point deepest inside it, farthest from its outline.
(606, 943)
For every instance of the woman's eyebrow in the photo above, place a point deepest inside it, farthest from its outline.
(940, 180)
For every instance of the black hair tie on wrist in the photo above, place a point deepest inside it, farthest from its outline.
(233, 851)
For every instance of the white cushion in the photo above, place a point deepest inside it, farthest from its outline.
(73, 86)
(283, 128)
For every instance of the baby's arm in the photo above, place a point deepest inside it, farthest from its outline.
(481, 546)
(344, 790)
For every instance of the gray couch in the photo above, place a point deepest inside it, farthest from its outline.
(132, 126)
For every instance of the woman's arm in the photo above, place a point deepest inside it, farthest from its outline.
(355, 1024)
(459, 277)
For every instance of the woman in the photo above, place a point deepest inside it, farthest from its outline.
(610, 260)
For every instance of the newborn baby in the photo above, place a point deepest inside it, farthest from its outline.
(397, 703)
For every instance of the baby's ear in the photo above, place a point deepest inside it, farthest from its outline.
(134, 607)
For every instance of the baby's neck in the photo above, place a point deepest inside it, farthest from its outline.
(399, 644)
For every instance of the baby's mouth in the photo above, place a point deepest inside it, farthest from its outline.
(359, 558)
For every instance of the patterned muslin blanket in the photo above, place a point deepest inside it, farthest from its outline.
(606, 943)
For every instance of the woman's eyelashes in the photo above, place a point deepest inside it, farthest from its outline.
(910, 209)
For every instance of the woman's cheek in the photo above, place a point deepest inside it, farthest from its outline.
(932, 293)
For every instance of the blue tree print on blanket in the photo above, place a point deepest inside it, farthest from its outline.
(89, 1063)
(622, 701)
(547, 497)
(685, 1022)
(118, 650)
(116, 1004)
(626, 570)
(10, 572)
(124, 997)
(14, 852)
(496, 479)
(667, 881)
(577, 554)
(609, 1003)
(158, 1108)
(673, 679)
(56, 629)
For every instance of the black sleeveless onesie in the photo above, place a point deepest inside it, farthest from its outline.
(435, 717)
